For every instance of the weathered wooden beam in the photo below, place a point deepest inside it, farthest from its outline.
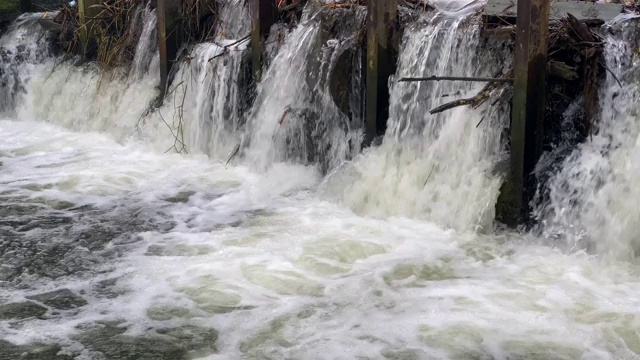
(167, 16)
(86, 13)
(454, 78)
(559, 9)
(161, 23)
(382, 53)
(263, 15)
(528, 108)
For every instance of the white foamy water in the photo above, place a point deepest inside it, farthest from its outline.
(589, 202)
(435, 167)
(395, 269)
(283, 274)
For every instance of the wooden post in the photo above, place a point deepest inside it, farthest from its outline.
(263, 15)
(528, 108)
(382, 53)
(86, 15)
(162, 46)
(167, 15)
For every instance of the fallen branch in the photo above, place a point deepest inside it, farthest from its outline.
(226, 47)
(233, 154)
(611, 72)
(456, 78)
(284, 115)
(580, 29)
(475, 101)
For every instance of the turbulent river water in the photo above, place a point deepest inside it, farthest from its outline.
(113, 248)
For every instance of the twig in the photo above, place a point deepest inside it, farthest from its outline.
(455, 78)
(284, 115)
(226, 47)
(429, 176)
(611, 72)
(235, 152)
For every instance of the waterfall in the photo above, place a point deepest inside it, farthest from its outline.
(296, 115)
(304, 245)
(437, 167)
(206, 100)
(22, 49)
(48, 87)
(591, 198)
(307, 109)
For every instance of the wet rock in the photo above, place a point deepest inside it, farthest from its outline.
(123, 347)
(402, 354)
(47, 222)
(167, 312)
(21, 310)
(178, 250)
(100, 330)
(198, 341)
(37, 241)
(108, 339)
(109, 289)
(17, 210)
(96, 237)
(9, 351)
(7, 272)
(181, 197)
(62, 205)
(63, 299)
(184, 342)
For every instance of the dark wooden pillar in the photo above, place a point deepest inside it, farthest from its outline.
(168, 23)
(382, 53)
(263, 15)
(86, 16)
(528, 109)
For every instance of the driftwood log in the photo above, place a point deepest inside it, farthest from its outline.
(480, 98)
(575, 56)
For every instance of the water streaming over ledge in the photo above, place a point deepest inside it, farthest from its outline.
(436, 167)
(589, 203)
(177, 256)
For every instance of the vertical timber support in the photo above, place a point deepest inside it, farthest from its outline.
(382, 53)
(528, 108)
(263, 15)
(86, 15)
(168, 17)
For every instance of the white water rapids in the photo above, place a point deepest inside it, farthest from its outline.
(380, 259)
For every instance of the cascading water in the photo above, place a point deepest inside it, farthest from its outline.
(295, 116)
(206, 99)
(111, 250)
(21, 51)
(81, 98)
(437, 167)
(589, 198)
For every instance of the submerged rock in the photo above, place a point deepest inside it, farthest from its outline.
(124, 347)
(21, 310)
(63, 299)
(177, 343)
(9, 351)
(109, 288)
(198, 341)
(181, 197)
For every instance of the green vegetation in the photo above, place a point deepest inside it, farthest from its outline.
(7, 6)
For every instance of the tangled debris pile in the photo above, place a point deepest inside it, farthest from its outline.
(575, 68)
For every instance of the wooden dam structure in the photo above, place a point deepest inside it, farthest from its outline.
(529, 74)
(529, 19)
